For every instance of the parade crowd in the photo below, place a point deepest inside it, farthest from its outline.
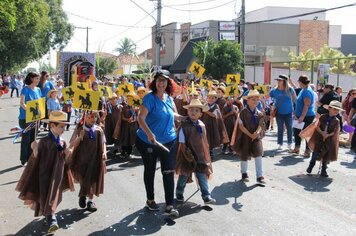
(179, 123)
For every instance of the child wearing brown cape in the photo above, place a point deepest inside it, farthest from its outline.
(193, 153)
(47, 174)
(325, 141)
(229, 114)
(247, 137)
(113, 122)
(88, 160)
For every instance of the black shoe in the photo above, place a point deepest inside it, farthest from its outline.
(245, 177)
(324, 174)
(179, 198)
(171, 212)
(91, 207)
(152, 206)
(261, 180)
(209, 200)
(310, 168)
(82, 202)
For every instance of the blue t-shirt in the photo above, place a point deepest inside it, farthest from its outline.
(160, 118)
(305, 93)
(46, 88)
(53, 104)
(30, 94)
(259, 105)
(283, 100)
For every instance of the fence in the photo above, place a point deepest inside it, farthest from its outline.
(256, 71)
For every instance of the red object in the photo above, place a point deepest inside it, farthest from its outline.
(267, 78)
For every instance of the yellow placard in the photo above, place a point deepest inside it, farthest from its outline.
(82, 86)
(124, 89)
(206, 83)
(68, 92)
(92, 78)
(262, 89)
(87, 100)
(134, 101)
(197, 69)
(35, 110)
(105, 91)
(232, 90)
(233, 78)
(74, 76)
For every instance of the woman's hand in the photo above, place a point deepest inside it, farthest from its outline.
(300, 119)
(104, 156)
(151, 137)
(34, 146)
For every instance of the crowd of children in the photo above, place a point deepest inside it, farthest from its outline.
(236, 123)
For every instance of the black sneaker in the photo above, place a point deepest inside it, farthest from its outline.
(91, 207)
(261, 180)
(245, 177)
(171, 212)
(209, 200)
(52, 223)
(82, 202)
(152, 206)
(179, 198)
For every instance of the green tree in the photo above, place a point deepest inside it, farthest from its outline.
(126, 47)
(327, 55)
(46, 67)
(219, 58)
(106, 66)
(31, 28)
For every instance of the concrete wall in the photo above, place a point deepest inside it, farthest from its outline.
(335, 36)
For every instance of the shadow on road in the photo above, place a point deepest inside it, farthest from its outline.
(312, 183)
(233, 190)
(350, 165)
(65, 219)
(9, 169)
(289, 160)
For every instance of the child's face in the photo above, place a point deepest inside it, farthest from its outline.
(211, 99)
(113, 101)
(194, 113)
(53, 95)
(333, 111)
(141, 93)
(57, 129)
(252, 102)
(220, 93)
(90, 119)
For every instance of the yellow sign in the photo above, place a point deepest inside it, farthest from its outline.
(74, 75)
(120, 71)
(68, 92)
(206, 83)
(35, 110)
(233, 79)
(123, 89)
(87, 100)
(197, 69)
(262, 89)
(134, 101)
(92, 78)
(105, 91)
(232, 90)
(82, 86)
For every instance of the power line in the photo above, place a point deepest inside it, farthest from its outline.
(197, 10)
(106, 23)
(193, 3)
(143, 38)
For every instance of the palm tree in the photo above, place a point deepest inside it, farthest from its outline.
(126, 47)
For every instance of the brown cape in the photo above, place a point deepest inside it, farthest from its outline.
(193, 155)
(230, 121)
(45, 178)
(88, 167)
(128, 130)
(243, 145)
(112, 123)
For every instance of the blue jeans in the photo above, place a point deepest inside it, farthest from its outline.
(202, 180)
(149, 154)
(286, 120)
(26, 140)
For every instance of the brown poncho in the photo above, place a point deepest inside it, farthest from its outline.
(45, 178)
(243, 145)
(88, 167)
(229, 121)
(193, 155)
(128, 129)
(112, 123)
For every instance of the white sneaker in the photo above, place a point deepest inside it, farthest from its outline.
(289, 146)
(279, 147)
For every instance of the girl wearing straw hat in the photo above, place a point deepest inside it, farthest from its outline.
(325, 141)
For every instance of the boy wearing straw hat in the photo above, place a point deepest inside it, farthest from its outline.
(47, 174)
(247, 137)
(193, 153)
(325, 141)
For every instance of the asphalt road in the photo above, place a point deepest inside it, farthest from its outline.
(291, 203)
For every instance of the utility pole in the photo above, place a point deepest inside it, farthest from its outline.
(158, 38)
(242, 32)
(87, 39)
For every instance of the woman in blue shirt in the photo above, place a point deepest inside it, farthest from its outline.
(284, 96)
(304, 111)
(45, 87)
(156, 120)
(28, 93)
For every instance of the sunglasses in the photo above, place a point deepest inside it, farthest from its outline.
(353, 93)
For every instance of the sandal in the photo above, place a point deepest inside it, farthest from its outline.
(306, 153)
(294, 151)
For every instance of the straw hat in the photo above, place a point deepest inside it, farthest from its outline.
(141, 89)
(131, 94)
(334, 104)
(59, 117)
(252, 93)
(212, 93)
(51, 91)
(114, 95)
(222, 88)
(196, 103)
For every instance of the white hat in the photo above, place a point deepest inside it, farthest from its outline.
(334, 104)
(196, 103)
